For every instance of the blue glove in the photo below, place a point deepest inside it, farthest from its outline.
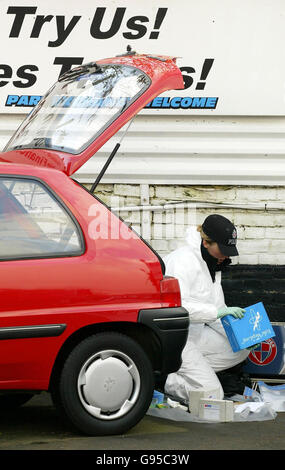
(236, 312)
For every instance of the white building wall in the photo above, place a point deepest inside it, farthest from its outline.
(172, 171)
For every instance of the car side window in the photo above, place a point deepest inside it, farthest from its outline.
(33, 223)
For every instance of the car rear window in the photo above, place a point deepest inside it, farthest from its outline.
(79, 107)
(33, 223)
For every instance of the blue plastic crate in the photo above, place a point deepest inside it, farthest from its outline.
(253, 328)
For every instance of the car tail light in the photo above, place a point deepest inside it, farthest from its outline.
(170, 291)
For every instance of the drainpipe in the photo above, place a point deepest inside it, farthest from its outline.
(268, 206)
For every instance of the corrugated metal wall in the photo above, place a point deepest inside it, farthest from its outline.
(170, 149)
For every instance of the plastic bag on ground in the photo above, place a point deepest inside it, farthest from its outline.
(273, 395)
(254, 411)
(247, 407)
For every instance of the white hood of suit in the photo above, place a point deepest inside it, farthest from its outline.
(193, 239)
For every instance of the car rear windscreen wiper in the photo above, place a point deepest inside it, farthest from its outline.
(91, 67)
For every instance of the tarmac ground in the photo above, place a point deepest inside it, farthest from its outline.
(35, 426)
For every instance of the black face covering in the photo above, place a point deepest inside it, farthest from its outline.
(212, 262)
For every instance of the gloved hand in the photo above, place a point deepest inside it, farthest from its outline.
(236, 312)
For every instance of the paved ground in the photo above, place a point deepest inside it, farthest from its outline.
(35, 426)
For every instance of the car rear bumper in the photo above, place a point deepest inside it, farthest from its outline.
(171, 327)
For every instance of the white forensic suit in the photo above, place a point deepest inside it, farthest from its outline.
(207, 348)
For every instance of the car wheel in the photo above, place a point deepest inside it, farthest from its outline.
(9, 401)
(106, 384)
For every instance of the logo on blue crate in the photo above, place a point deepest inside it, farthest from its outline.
(268, 357)
(264, 354)
(255, 319)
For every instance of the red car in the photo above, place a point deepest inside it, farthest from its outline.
(86, 312)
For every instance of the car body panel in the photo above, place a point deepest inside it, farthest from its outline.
(110, 282)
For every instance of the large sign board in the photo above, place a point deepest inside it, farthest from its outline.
(228, 51)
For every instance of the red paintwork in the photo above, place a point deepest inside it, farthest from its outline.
(111, 281)
(164, 76)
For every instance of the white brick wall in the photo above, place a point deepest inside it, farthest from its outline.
(258, 214)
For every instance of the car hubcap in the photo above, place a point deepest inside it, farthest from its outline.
(108, 384)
